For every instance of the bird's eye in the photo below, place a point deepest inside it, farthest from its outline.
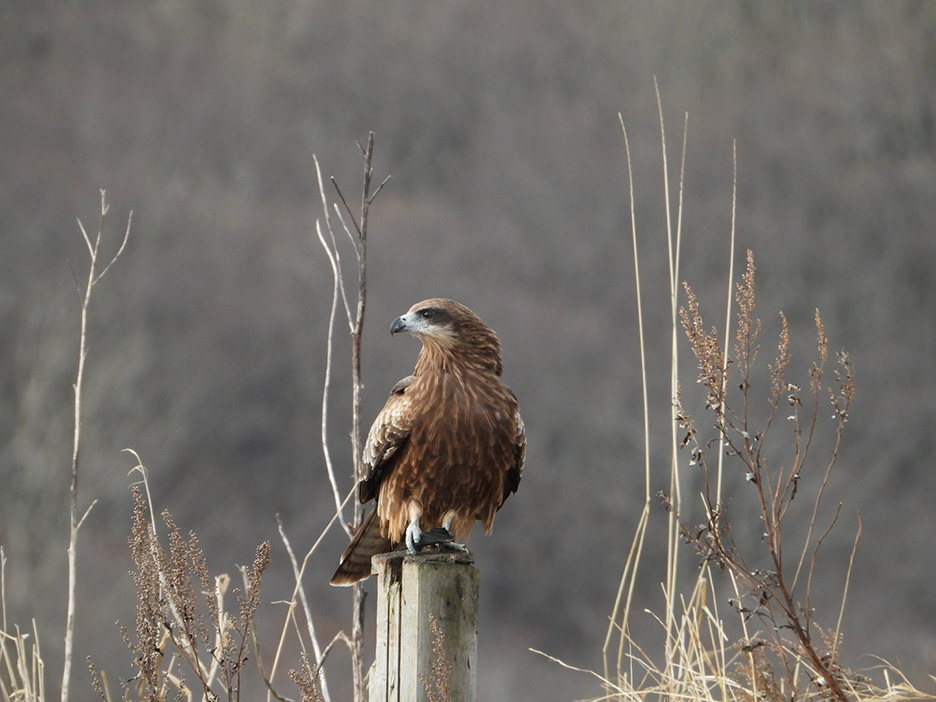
(428, 314)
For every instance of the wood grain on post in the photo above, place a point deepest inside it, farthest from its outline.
(427, 628)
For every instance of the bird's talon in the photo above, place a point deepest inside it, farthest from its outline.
(413, 536)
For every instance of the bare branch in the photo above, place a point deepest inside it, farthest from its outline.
(76, 520)
(329, 466)
(87, 240)
(123, 245)
(354, 243)
(298, 592)
(310, 624)
(347, 207)
(379, 188)
(331, 247)
(86, 513)
(358, 594)
(848, 573)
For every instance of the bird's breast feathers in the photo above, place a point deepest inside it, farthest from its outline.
(456, 445)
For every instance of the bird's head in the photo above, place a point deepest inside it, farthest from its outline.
(435, 320)
(447, 325)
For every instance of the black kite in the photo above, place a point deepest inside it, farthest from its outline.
(447, 448)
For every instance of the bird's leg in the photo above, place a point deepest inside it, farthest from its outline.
(413, 535)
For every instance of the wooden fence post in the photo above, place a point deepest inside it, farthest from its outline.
(427, 628)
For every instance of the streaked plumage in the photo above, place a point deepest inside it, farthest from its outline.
(447, 449)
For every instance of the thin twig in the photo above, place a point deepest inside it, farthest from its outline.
(358, 593)
(848, 574)
(298, 592)
(334, 253)
(355, 320)
(719, 471)
(76, 520)
(326, 384)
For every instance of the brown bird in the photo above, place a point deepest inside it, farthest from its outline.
(447, 448)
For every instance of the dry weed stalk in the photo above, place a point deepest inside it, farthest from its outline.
(625, 667)
(703, 658)
(184, 627)
(22, 672)
(772, 593)
(307, 680)
(620, 613)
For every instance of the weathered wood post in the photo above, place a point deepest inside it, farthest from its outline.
(427, 628)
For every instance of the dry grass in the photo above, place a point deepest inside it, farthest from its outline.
(186, 638)
(307, 680)
(22, 670)
(767, 644)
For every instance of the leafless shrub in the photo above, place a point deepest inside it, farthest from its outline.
(769, 593)
(707, 655)
(355, 229)
(185, 630)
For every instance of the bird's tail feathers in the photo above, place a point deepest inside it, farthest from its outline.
(356, 560)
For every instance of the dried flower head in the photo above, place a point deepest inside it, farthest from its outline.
(748, 326)
(706, 348)
(779, 366)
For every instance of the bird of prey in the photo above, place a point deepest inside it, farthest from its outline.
(448, 447)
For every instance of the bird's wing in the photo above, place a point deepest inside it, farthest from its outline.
(389, 432)
(515, 471)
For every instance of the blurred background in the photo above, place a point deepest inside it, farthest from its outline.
(499, 125)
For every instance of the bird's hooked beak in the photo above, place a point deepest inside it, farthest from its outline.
(400, 324)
